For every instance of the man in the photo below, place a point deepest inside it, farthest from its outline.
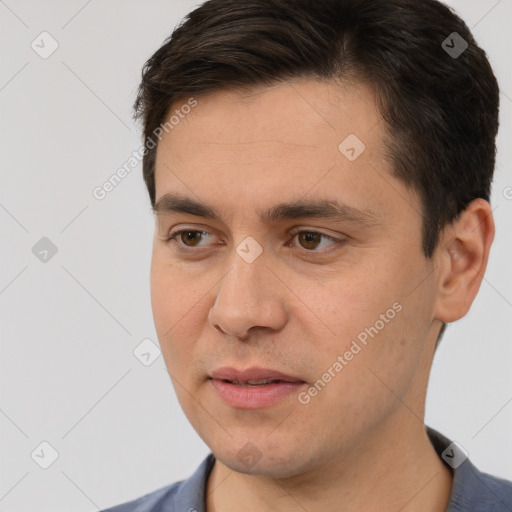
(320, 175)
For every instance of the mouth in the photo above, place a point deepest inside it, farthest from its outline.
(254, 388)
(253, 383)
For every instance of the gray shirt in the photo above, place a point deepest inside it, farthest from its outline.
(472, 490)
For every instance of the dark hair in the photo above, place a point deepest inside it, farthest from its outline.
(440, 108)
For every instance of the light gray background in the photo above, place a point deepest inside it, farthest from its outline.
(69, 326)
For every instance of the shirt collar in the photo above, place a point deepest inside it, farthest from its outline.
(191, 493)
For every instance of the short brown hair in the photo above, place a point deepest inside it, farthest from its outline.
(441, 109)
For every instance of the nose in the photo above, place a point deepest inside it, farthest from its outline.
(250, 297)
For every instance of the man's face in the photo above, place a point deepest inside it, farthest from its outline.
(342, 305)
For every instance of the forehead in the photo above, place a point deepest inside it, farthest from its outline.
(306, 137)
(303, 113)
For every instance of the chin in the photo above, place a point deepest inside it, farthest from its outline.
(277, 462)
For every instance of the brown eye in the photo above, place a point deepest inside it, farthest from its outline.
(189, 238)
(186, 238)
(314, 241)
(309, 240)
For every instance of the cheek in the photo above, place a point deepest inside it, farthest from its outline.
(178, 313)
(374, 323)
(358, 382)
(163, 298)
(168, 303)
(350, 305)
(172, 295)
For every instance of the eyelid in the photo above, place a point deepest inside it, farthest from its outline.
(336, 242)
(305, 229)
(181, 230)
(294, 231)
(172, 236)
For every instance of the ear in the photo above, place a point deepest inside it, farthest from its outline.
(462, 257)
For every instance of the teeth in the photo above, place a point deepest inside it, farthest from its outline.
(257, 382)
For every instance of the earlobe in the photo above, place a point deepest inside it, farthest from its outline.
(463, 253)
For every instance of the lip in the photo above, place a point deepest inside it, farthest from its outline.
(223, 380)
(253, 373)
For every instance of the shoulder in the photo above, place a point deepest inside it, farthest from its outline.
(481, 491)
(472, 489)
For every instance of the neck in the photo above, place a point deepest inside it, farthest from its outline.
(394, 469)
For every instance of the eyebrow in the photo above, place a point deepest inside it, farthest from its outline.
(299, 209)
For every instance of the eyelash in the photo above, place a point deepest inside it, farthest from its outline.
(173, 237)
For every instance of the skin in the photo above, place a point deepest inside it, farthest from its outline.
(360, 443)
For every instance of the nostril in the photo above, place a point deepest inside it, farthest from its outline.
(219, 328)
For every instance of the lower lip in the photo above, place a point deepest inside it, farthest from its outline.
(255, 397)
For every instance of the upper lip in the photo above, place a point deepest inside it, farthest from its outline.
(254, 373)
